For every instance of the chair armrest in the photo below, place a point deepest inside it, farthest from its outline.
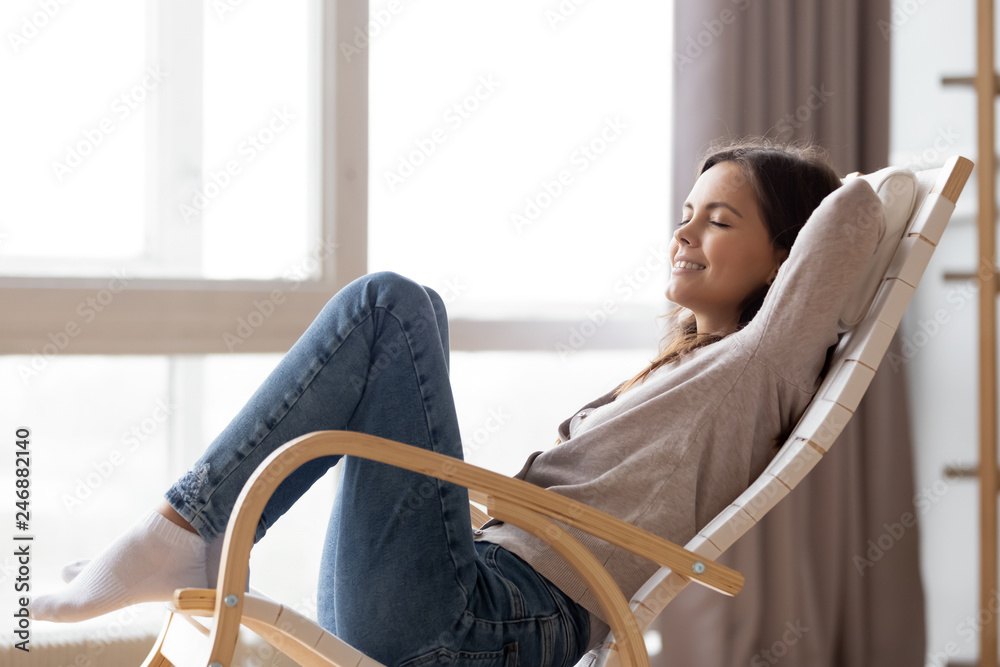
(505, 497)
(612, 529)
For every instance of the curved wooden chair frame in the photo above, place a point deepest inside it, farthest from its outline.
(521, 503)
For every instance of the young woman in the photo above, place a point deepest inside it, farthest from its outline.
(404, 577)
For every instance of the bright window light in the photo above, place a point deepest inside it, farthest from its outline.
(520, 152)
(160, 139)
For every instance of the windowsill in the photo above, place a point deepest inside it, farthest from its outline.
(153, 316)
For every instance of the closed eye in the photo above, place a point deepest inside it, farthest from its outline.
(714, 222)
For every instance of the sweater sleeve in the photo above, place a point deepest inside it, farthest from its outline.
(797, 322)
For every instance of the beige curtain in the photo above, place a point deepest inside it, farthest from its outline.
(832, 572)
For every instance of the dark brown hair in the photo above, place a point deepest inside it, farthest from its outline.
(788, 182)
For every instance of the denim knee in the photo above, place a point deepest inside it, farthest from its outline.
(415, 305)
(396, 285)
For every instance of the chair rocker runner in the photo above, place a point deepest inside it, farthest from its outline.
(917, 207)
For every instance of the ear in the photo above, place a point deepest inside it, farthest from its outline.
(780, 255)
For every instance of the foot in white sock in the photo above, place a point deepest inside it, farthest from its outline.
(70, 570)
(213, 558)
(145, 563)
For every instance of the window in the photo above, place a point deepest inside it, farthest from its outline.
(183, 146)
(514, 157)
(164, 188)
(519, 155)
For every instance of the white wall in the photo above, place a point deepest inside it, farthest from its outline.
(931, 39)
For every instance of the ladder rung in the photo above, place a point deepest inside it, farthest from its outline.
(969, 81)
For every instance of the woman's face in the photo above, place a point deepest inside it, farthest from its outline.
(721, 253)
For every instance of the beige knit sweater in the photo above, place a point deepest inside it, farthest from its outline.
(671, 453)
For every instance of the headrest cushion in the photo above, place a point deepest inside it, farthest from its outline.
(897, 188)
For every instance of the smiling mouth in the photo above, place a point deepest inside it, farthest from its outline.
(688, 265)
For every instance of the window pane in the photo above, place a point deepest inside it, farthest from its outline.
(109, 435)
(261, 138)
(74, 134)
(99, 455)
(178, 142)
(533, 169)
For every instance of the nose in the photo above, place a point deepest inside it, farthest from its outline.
(682, 234)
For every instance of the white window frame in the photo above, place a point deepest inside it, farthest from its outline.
(188, 316)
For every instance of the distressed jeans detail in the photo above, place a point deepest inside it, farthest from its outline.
(401, 577)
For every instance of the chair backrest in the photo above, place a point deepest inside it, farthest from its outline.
(882, 298)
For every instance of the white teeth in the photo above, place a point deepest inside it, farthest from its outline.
(688, 265)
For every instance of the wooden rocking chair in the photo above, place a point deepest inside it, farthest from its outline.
(918, 207)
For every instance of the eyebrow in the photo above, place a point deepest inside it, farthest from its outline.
(716, 204)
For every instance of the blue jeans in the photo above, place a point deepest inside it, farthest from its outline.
(401, 577)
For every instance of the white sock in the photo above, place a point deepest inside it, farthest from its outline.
(213, 558)
(145, 563)
(70, 570)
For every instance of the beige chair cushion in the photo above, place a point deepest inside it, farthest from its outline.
(897, 188)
